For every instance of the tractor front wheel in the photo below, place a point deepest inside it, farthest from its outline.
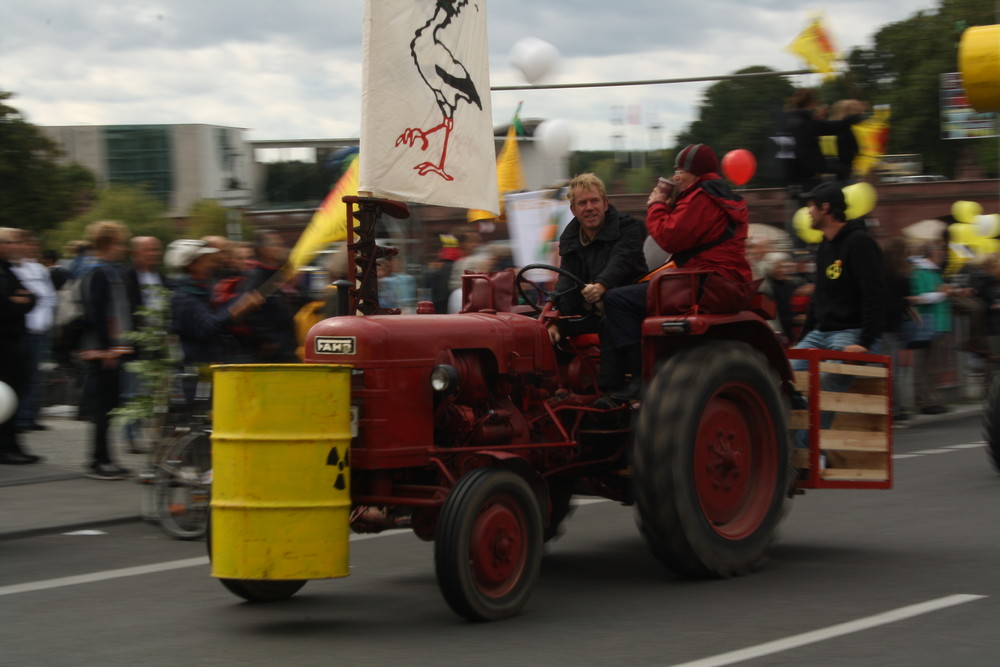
(488, 550)
(712, 468)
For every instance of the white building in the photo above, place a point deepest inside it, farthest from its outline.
(181, 164)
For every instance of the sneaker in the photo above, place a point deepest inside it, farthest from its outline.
(107, 471)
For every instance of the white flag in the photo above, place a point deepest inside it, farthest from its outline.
(427, 122)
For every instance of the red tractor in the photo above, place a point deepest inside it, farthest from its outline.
(475, 431)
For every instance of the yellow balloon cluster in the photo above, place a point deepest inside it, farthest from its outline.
(802, 222)
(975, 231)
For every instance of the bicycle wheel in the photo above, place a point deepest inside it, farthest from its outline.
(182, 489)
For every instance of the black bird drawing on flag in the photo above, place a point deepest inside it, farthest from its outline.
(447, 78)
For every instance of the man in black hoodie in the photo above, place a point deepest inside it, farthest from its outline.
(847, 311)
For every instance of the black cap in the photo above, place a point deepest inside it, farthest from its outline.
(829, 193)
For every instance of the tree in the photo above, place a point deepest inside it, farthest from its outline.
(208, 218)
(36, 192)
(143, 213)
(742, 113)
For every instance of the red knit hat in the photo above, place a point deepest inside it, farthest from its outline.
(698, 159)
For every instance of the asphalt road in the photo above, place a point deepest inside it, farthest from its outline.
(901, 577)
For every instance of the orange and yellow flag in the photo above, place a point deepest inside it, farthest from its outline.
(873, 138)
(329, 223)
(815, 47)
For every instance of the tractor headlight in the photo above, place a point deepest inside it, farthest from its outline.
(444, 379)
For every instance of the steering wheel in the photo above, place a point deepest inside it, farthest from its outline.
(543, 295)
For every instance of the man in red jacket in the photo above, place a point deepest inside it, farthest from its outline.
(703, 224)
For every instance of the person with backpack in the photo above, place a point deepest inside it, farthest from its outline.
(15, 303)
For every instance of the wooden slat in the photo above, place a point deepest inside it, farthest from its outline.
(798, 419)
(857, 403)
(869, 386)
(856, 460)
(853, 369)
(854, 441)
(855, 474)
(853, 421)
(802, 380)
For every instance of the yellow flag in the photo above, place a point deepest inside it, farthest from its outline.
(510, 175)
(873, 137)
(815, 47)
(329, 223)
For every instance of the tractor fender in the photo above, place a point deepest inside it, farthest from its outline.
(665, 336)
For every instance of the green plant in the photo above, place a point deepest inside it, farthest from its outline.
(156, 361)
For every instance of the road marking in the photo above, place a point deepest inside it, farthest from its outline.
(940, 450)
(102, 576)
(795, 641)
(139, 570)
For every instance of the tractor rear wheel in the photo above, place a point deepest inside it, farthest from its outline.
(488, 550)
(712, 466)
(991, 421)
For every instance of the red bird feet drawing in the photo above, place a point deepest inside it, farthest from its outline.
(448, 80)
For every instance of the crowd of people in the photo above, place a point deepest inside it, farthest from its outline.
(213, 300)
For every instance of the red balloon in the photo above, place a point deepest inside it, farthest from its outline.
(739, 165)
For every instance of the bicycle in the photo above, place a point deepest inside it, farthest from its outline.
(178, 476)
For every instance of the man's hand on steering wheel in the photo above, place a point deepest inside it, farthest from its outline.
(593, 292)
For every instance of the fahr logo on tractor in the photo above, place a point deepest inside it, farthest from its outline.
(334, 344)
(476, 432)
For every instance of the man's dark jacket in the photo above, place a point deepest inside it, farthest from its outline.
(613, 258)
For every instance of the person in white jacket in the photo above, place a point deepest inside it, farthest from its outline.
(35, 343)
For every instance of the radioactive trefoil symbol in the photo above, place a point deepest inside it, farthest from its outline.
(333, 459)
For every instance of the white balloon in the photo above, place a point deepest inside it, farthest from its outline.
(987, 226)
(535, 58)
(8, 402)
(554, 137)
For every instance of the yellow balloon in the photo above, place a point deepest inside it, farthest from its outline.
(860, 198)
(802, 222)
(966, 211)
(961, 233)
(989, 246)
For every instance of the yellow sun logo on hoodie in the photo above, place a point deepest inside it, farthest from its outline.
(834, 270)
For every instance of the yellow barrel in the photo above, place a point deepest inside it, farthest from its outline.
(281, 496)
(979, 61)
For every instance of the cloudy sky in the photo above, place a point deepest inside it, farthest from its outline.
(291, 69)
